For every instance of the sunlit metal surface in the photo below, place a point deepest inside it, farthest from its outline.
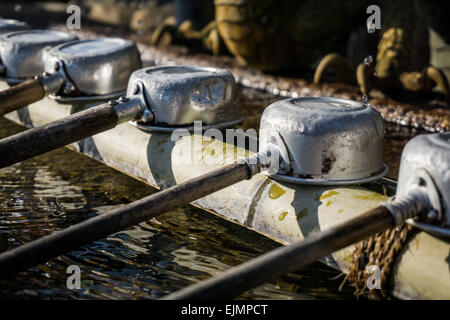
(179, 95)
(426, 160)
(328, 140)
(96, 67)
(22, 52)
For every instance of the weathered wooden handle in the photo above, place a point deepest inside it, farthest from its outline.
(126, 216)
(36, 141)
(278, 262)
(21, 95)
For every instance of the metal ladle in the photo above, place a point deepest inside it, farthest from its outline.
(22, 52)
(98, 67)
(172, 96)
(10, 25)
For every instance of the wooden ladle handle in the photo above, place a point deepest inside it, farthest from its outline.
(36, 141)
(21, 95)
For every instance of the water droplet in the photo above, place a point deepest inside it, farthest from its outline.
(18, 7)
(368, 60)
(370, 27)
(365, 99)
(301, 128)
(374, 74)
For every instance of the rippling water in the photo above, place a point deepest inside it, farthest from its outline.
(61, 188)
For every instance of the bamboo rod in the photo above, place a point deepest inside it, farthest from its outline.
(101, 226)
(278, 262)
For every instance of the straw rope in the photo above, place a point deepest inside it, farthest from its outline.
(380, 250)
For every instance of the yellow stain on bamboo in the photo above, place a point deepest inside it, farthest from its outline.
(372, 197)
(348, 257)
(282, 215)
(276, 191)
(327, 195)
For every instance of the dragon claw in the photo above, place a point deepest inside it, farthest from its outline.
(213, 42)
(413, 81)
(208, 38)
(425, 81)
(365, 78)
(344, 72)
(437, 77)
(169, 26)
(178, 35)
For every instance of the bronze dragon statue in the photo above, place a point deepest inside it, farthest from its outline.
(296, 35)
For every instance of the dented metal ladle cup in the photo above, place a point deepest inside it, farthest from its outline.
(96, 67)
(10, 25)
(169, 96)
(22, 52)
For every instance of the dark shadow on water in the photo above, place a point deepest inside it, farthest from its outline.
(24, 116)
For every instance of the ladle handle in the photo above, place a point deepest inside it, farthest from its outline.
(278, 262)
(21, 95)
(36, 141)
